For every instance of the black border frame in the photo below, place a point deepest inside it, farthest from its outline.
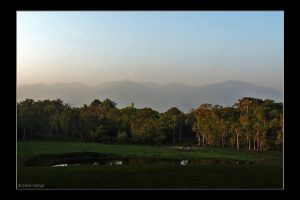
(162, 5)
(151, 5)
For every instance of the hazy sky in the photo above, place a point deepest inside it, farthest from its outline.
(194, 48)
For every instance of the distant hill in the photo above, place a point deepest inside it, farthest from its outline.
(158, 97)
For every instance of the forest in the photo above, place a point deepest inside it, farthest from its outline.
(251, 124)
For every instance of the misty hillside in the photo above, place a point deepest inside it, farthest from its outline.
(158, 97)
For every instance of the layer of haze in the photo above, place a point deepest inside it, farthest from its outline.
(193, 48)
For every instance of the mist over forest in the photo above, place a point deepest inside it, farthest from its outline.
(156, 96)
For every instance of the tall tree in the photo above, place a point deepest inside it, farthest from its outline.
(201, 126)
(176, 118)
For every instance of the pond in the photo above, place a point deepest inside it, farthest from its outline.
(92, 158)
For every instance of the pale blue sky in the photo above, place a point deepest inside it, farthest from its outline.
(194, 48)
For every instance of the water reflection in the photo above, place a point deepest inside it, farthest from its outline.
(116, 162)
(184, 162)
(148, 161)
(90, 158)
(60, 165)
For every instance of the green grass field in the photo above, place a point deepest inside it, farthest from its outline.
(266, 173)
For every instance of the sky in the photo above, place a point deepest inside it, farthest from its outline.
(192, 47)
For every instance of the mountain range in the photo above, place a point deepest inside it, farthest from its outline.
(156, 96)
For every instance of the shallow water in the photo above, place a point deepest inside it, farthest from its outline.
(90, 158)
(60, 165)
(145, 161)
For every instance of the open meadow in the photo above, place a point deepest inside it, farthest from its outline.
(206, 168)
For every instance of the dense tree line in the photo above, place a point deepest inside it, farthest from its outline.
(252, 124)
